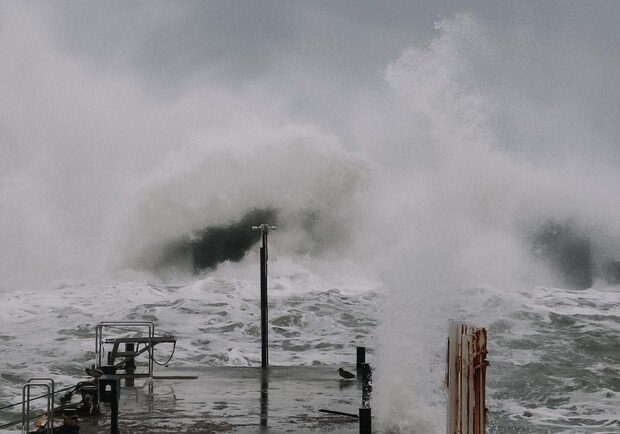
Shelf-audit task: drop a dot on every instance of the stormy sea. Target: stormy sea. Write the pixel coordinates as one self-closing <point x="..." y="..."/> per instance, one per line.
<point x="421" y="164"/>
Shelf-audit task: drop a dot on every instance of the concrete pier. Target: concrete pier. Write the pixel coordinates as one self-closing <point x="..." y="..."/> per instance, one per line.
<point x="236" y="399"/>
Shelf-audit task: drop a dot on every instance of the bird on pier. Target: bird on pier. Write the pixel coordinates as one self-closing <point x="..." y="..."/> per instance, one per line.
<point x="94" y="372"/>
<point x="345" y="374"/>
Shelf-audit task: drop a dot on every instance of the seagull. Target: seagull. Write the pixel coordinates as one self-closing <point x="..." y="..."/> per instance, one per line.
<point x="88" y="403"/>
<point x="345" y="374"/>
<point x="93" y="372"/>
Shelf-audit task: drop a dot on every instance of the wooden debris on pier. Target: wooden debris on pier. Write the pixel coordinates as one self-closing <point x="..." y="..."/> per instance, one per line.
<point x="465" y="379"/>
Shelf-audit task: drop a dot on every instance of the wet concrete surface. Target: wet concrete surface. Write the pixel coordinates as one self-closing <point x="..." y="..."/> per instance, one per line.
<point x="236" y="399"/>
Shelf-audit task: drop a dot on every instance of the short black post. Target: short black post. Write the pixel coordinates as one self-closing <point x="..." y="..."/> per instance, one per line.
<point x="361" y="357"/>
<point x="366" y="376"/>
<point x="114" y="417"/>
<point x="264" y="306"/>
<point x="365" y="420"/>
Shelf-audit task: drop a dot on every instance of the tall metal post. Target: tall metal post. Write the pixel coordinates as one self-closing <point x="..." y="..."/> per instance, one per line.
<point x="264" y="313"/>
<point x="264" y="398"/>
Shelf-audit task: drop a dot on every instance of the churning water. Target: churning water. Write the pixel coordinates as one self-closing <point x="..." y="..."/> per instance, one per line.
<point x="554" y="357"/>
<point x="429" y="208"/>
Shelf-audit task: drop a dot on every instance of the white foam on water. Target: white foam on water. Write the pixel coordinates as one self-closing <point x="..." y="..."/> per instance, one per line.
<point x="216" y="321"/>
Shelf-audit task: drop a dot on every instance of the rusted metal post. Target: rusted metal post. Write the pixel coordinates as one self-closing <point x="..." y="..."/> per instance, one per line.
<point x="264" y="306"/>
<point x="465" y="380"/>
<point x="365" y="420"/>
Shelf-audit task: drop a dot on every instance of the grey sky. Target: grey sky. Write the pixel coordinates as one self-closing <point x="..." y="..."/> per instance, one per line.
<point x="318" y="55"/>
<point x="563" y="50"/>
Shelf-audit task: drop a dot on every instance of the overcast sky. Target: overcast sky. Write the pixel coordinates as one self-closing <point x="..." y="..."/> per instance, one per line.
<point x="321" y="58"/>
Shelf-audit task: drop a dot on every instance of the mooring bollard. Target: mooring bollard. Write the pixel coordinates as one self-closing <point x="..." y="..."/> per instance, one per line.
<point x="365" y="420"/>
<point x="361" y="357"/>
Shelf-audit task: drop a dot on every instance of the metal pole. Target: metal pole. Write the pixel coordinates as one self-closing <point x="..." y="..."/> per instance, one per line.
<point x="264" y="306"/>
<point x="264" y="398"/>
<point x="130" y="366"/>
<point x="365" y="421"/>
<point x="114" y="416"/>
<point x="366" y="375"/>
<point x="361" y="357"/>
<point x="264" y="314"/>
<point x="109" y="389"/>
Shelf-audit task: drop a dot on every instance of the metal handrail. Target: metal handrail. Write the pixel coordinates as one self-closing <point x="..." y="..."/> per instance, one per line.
<point x="60" y="407"/>
<point x="26" y="404"/>
<point x="50" y="380"/>
<point x="34" y="399"/>
<point x="111" y="324"/>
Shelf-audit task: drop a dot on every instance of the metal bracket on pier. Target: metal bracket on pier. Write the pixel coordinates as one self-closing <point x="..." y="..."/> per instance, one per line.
<point x="132" y="347"/>
<point x="264" y="314"/>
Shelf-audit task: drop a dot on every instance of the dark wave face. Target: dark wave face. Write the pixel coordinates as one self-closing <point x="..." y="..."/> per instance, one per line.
<point x="573" y="257"/>
<point x="568" y="254"/>
<point x="213" y="245"/>
<point x="217" y="244"/>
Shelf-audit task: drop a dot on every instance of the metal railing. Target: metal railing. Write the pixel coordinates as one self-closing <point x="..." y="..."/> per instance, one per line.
<point x="48" y="384"/>
<point x="99" y="341"/>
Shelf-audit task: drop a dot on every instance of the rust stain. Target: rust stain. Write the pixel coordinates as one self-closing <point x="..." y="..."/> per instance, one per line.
<point x="466" y="379"/>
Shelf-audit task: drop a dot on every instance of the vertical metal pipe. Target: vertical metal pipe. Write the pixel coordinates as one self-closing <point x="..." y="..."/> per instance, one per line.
<point x="24" y="411"/>
<point x="130" y="366"/>
<point x="361" y="357"/>
<point x="264" y="305"/>
<point x="365" y="374"/>
<point x="365" y="421"/>
<point x="264" y="398"/>
<point x="114" y="415"/>
<point x="264" y="318"/>
<point x="50" y="416"/>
